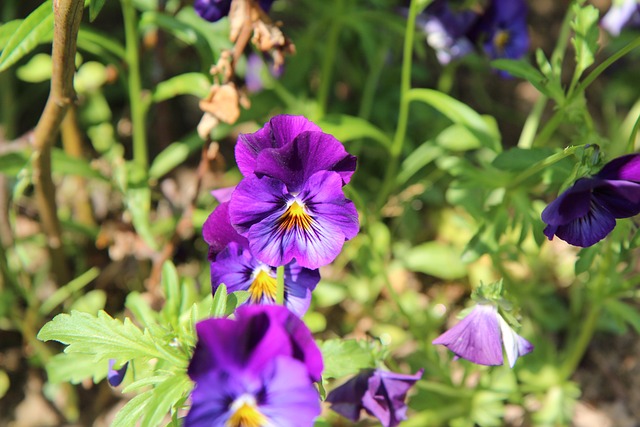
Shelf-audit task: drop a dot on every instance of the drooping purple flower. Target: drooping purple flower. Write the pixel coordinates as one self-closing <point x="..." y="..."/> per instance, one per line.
<point x="479" y="338"/>
<point x="291" y="205"/>
<point x="214" y="10"/>
<point x="586" y="212"/>
<point x="447" y="30"/>
<point x="233" y="264"/>
<point x="381" y="393"/>
<point x="116" y="376"/>
<point x="622" y="14"/>
<point x="503" y="29"/>
<point x="256" y="370"/>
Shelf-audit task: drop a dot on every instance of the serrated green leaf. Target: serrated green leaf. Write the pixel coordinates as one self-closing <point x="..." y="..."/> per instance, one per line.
<point x="219" y="306"/>
<point x="165" y="396"/>
<point x="585" y="39"/>
<point x="460" y="113"/>
<point x="134" y="409"/>
<point x="348" y="128"/>
<point x="95" y="6"/>
<point x="34" y="29"/>
<point x="345" y="357"/>
<point x="196" y="84"/>
<point x="75" y="368"/>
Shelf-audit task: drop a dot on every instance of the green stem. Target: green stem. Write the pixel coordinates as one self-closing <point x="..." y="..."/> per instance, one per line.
<point x="579" y="347"/>
<point x="140" y="155"/>
<point x="403" y="115"/>
<point x="632" y="137"/>
<point x="563" y="40"/>
<point x="280" y="285"/>
<point x="531" y="125"/>
<point x="543" y="164"/>
<point x="330" y="58"/>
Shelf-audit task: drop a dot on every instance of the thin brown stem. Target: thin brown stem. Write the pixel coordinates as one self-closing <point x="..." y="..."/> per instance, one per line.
<point x="67" y="17"/>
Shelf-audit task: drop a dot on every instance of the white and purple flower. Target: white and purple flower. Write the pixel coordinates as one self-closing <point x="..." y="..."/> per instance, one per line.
<point x="479" y="338"/>
<point x="586" y="213"/>
<point x="381" y="393"/>
<point x="623" y="14"/>
<point x="291" y="205"/>
<point x="256" y="370"/>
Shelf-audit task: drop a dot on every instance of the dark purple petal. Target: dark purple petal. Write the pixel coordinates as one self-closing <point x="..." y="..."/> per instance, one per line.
<point x="212" y="10"/>
<point x="386" y="396"/>
<point x="504" y="29"/>
<point x="310" y="152"/>
<point x="476" y="337"/>
<point x="265" y="4"/>
<point x="218" y="232"/>
<point x="259" y="204"/>
<point x="574" y="203"/>
<point x="115" y="376"/>
<point x="346" y="400"/>
<point x="587" y="230"/>
<point x="620" y="198"/>
<point x="279" y="131"/>
<point x="212" y="396"/>
<point x="622" y="168"/>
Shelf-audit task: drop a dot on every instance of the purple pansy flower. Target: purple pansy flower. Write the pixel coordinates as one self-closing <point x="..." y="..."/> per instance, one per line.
<point x="233" y="264"/>
<point x="503" y="29"/>
<point x="586" y="213"/>
<point x="256" y="370"/>
<point x="622" y="14"/>
<point x="381" y="393"/>
<point x="214" y="10"/>
<point x="116" y="376"/>
<point x="291" y="205"/>
<point x="480" y="335"/>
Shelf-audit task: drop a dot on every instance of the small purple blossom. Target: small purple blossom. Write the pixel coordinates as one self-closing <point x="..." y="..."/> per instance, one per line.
<point x="621" y="15"/>
<point x="503" y="29"/>
<point x="586" y="212"/>
<point x="233" y="264"/>
<point x="479" y="338"/>
<point x="256" y="67"/>
<point x="214" y="10"/>
<point x="256" y="370"/>
<point x="116" y="376"/>
<point x="381" y="393"/>
<point x="291" y="205"/>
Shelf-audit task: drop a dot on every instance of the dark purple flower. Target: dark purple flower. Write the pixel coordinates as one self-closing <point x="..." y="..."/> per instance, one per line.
<point x="503" y="29"/>
<point x="586" y="213"/>
<point x="446" y="30"/>
<point x="291" y="204"/>
<point x="381" y="393"/>
<point x="480" y="335"/>
<point x="233" y="264"/>
<point x="214" y="10"/>
<point x="115" y="376"/>
<point x="256" y="370"/>
<point x="621" y="15"/>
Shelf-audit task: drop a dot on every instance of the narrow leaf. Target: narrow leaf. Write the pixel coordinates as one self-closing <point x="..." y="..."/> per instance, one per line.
<point x="95" y="6"/>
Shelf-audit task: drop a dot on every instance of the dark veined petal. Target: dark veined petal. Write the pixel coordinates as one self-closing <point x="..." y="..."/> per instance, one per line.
<point x="279" y="131"/>
<point x="385" y="398"/>
<point x="620" y="198"/>
<point x="574" y="203"/>
<point x="476" y="337"/>
<point x="308" y="153"/>
<point x="589" y="229"/>
<point x="346" y="399"/>
<point x="624" y="168"/>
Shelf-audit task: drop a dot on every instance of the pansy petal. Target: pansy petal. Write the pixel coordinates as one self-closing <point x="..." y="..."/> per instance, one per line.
<point x="212" y="10"/>
<point x="589" y="229"/>
<point x="254" y="200"/>
<point x="574" y="203"/>
<point x="386" y="396"/>
<point x="620" y="15"/>
<point x="233" y="267"/>
<point x="620" y="198"/>
<point x="476" y="337"/>
<point x="623" y="168"/>
<point x="346" y="399"/>
<point x="223" y="194"/>
<point x="218" y="232"/>
<point x="116" y="376"/>
<point x="514" y="345"/>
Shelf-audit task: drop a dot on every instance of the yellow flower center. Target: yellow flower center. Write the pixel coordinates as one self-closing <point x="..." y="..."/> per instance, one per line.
<point x="246" y="414"/>
<point x="501" y="39"/>
<point x="295" y="217"/>
<point x="263" y="284"/>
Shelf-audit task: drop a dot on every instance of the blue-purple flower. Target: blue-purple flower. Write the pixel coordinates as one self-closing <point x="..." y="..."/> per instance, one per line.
<point x="503" y="29"/>
<point x="446" y="30"/>
<point x="622" y="14"/>
<point x="214" y="10"/>
<point x="586" y="212"/>
<point x="256" y="370"/>
<point x="381" y="393"/>
<point x="233" y="264"/>
<point x="479" y="338"/>
<point x="116" y="376"/>
<point x="291" y="205"/>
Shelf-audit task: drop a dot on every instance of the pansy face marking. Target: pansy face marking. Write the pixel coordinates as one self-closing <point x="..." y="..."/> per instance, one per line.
<point x="262" y="286"/>
<point x="501" y="40"/>
<point x="295" y="217"/>
<point x="246" y="413"/>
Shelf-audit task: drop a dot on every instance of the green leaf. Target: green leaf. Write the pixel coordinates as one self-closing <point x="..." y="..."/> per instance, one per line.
<point x="622" y="310"/>
<point x="196" y="84"/>
<point x="75" y="368"/>
<point x="35" y="29"/>
<point x="460" y="113"/>
<point x="37" y="70"/>
<point x="165" y="396"/>
<point x="134" y="409"/>
<point x="436" y="259"/>
<point x="139" y="204"/>
<point x="7" y="30"/>
<point x="95" y="6"/>
<point x="93" y="41"/>
<point x="219" y="306"/>
<point x="12" y="163"/>
<point x="585" y="39"/>
<point x="348" y="128"/>
<point x="234" y="300"/>
<point x="518" y="159"/>
<point x="60" y="295"/>
<point x="105" y="338"/>
<point x="524" y="70"/>
<point x="416" y="160"/>
<point x="171" y="288"/>
<point x="174" y="155"/>
<point x="345" y="357"/>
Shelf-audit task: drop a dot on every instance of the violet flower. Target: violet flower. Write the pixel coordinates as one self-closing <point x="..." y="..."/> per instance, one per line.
<point x="214" y="10"/>
<point x="256" y="370"/>
<point x="291" y="205"/>
<point x="233" y="264"/>
<point x="586" y="212"/>
<point x="503" y="29"/>
<point x="480" y="335"/>
<point x="381" y="393"/>
<point x="621" y="15"/>
<point x="253" y="77"/>
<point x="116" y="376"/>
